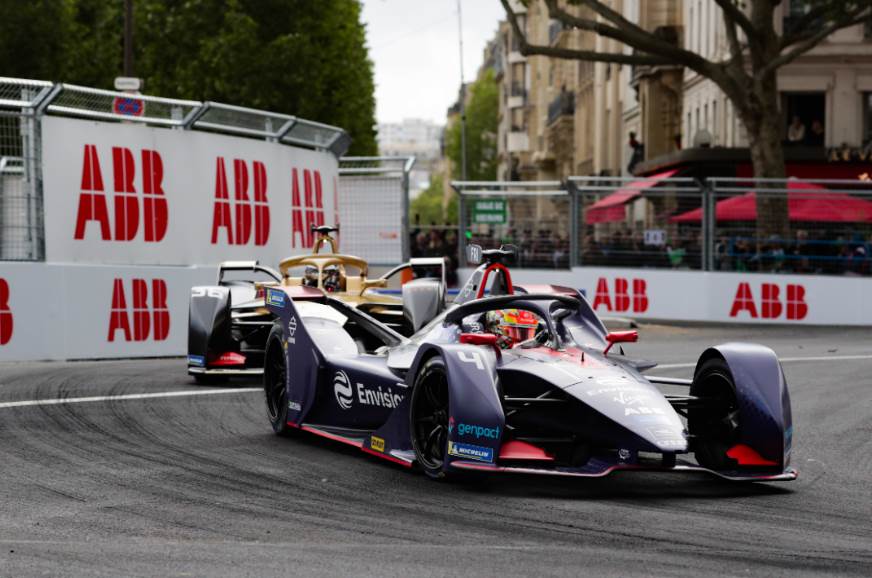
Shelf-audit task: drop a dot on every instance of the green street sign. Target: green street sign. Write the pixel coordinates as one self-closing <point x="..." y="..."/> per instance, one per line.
<point x="489" y="212"/>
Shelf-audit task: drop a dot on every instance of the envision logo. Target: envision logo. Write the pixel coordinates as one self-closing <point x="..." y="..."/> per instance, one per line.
<point x="342" y="389"/>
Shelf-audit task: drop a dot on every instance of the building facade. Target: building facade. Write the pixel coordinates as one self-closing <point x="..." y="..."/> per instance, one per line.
<point x="413" y="137"/>
<point x="565" y="117"/>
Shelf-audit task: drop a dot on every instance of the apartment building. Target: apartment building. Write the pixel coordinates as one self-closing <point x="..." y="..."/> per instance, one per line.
<point x="562" y="117"/>
<point x="831" y="84"/>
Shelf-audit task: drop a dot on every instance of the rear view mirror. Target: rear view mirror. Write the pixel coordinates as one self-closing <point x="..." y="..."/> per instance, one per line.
<point x="473" y="254"/>
<point x="620" y="337"/>
<point x="481" y="339"/>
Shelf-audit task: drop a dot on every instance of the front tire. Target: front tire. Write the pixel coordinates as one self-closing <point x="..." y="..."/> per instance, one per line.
<point x="715" y="428"/>
<point x="275" y="388"/>
<point x="428" y="416"/>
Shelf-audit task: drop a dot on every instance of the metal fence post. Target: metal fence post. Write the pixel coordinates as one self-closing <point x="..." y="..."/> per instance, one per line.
<point x="404" y="228"/>
<point x="708" y="228"/>
<point x="573" y="223"/>
<point x="461" y="226"/>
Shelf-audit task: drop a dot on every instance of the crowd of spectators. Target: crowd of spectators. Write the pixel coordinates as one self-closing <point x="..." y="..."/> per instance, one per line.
<point x="812" y="251"/>
<point x="537" y="249"/>
<point x="808" y="252"/>
<point x="436" y="241"/>
<point x="625" y="248"/>
<point x="815" y="252"/>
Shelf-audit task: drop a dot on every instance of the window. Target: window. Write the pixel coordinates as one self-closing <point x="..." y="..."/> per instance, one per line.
<point x="808" y="109"/>
<point x="716" y="125"/>
<point x="691" y="32"/>
<point x="867" y="118"/>
<point x="688" y="130"/>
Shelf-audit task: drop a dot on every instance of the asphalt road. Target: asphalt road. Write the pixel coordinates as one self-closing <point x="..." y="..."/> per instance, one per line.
<point x="197" y="485"/>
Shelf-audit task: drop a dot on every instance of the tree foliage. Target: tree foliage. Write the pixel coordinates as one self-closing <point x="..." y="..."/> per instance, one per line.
<point x="297" y="57"/>
<point x="428" y="207"/>
<point x="482" y="120"/>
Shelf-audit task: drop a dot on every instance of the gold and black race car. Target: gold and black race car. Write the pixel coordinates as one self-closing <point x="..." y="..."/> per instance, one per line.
<point x="229" y="322"/>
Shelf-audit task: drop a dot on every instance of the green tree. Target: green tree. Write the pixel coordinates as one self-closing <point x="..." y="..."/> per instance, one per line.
<point x="428" y="205"/>
<point x="296" y="57"/>
<point x="482" y="119"/>
<point x="32" y="38"/>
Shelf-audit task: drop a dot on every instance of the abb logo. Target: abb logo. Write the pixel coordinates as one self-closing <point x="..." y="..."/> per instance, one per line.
<point x="311" y="210"/>
<point x="771" y="307"/>
<point x="5" y="313"/>
<point x="94" y="206"/>
<point x="623" y="298"/>
<point x="154" y="320"/>
<point x="240" y="213"/>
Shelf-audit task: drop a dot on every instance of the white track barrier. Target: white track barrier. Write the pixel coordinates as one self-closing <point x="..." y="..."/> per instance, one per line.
<point x="137" y="195"/>
<point x="713" y="297"/>
<point x="92" y="311"/>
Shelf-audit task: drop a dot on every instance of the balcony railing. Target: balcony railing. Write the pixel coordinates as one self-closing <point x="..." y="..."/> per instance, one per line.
<point x="563" y="104"/>
<point x="517" y="89"/>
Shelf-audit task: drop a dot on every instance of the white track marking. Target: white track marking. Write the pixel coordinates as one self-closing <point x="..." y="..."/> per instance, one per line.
<point x="124" y="397"/>
<point x="194" y="392"/>
<point x="782" y="360"/>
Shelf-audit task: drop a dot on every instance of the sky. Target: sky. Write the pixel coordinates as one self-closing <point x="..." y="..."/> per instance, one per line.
<point x="414" y="46"/>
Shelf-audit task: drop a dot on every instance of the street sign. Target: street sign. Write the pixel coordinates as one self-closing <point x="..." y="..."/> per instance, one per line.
<point x="128" y="106"/>
<point x="128" y="83"/>
<point x="489" y="212"/>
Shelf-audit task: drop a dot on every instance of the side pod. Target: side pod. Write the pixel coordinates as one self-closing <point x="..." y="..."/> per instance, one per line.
<point x="208" y="323"/>
<point x="763" y="399"/>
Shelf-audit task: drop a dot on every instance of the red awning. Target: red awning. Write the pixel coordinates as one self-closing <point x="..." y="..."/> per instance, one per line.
<point x="611" y="208"/>
<point x="803" y="204"/>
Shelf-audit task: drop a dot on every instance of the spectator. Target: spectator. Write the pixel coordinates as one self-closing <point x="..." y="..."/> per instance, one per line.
<point x="637" y="153"/>
<point x="816" y="134"/>
<point x="796" y="131"/>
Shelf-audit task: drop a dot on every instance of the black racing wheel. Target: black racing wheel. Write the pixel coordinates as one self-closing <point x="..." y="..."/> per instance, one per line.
<point x="275" y="383"/>
<point x="714" y="426"/>
<point x="429" y="417"/>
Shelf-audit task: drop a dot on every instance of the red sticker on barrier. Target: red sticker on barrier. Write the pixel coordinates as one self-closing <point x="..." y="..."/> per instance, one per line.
<point x="771" y="306"/>
<point x="148" y="321"/>
<point x="93" y="204"/>
<point x="6" y="322"/>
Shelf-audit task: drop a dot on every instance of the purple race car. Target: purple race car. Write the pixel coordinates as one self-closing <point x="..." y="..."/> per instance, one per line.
<point x="515" y="379"/>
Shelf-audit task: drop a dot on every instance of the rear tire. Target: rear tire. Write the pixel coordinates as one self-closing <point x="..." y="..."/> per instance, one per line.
<point x="275" y="383"/>
<point x="715" y="429"/>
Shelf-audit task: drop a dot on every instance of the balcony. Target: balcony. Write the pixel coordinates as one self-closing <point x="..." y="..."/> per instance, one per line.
<point x="518" y="141"/>
<point x="517" y="95"/>
<point x="562" y="105"/>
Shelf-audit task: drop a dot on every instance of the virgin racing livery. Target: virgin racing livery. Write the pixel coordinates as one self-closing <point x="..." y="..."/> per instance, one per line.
<point x="229" y="322"/>
<point x="469" y="393"/>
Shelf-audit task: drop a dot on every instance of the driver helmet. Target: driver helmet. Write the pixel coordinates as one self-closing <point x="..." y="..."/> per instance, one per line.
<point x="516" y="324"/>
<point x="310" y="276"/>
<point x="331" y="278"/>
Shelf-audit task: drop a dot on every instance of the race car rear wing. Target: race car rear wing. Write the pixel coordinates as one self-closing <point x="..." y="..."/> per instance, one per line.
<point x="253" y="266"/>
